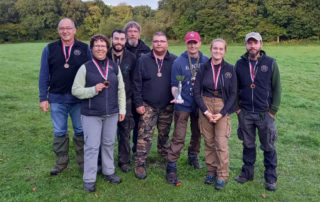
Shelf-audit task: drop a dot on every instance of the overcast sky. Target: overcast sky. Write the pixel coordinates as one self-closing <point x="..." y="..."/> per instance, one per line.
<point x="152" y="3"/>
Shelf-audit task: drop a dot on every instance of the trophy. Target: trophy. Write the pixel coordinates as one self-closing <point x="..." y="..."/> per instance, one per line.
<point x="179" y="99"/>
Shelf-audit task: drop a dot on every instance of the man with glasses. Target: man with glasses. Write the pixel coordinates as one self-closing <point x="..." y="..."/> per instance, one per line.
<point x="126" y="61"/>
<point x="152" y="82"/>
<point x="60" y="62"/>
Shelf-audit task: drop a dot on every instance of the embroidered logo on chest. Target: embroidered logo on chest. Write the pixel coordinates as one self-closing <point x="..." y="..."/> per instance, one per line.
<point x="77" y="52"/>
<point x="228" y="75"/>
<point x="264" y="68"/>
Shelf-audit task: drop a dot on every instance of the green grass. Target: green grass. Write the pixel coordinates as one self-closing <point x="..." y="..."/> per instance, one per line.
<point x="26" y="140"/>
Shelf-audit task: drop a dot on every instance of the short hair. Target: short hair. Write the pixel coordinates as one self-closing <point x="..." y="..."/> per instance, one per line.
<point x="159" y="34"/>
<point x="219" y="40"/>
<point x="99" y="37"/>
<point x="119" y="31"/>
<point x="132" y="24"/>
<point x="73" y="24"/>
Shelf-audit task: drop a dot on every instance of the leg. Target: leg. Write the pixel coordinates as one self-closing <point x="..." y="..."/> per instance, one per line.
<point x="195" y="141"/>
<point x="164" y="126"/>
<point x="92" y="127"/>
<point x="136" y="118"/>
<point x="59" y="117"/>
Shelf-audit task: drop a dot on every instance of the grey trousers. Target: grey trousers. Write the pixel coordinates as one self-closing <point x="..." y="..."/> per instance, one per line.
<point x="98" y="131"/>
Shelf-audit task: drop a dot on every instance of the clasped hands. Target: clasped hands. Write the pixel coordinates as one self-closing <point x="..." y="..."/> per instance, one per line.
<point x="213" y="118"/>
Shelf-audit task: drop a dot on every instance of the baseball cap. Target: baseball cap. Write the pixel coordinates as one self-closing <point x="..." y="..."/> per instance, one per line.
<point x="253" y="35"/>
<point x="192" y="36"/>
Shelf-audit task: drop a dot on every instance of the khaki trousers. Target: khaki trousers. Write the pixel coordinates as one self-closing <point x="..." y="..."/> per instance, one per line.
<point x="216" y="139"/>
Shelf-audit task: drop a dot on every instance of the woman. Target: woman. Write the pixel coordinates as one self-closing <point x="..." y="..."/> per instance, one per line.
<point x="215" y="93"/>
<point x="100" y="86"/>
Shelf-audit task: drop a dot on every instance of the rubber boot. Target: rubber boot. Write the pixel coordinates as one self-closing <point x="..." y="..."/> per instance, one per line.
<point x="78" y="143"/>
<point x="61" y="149"/>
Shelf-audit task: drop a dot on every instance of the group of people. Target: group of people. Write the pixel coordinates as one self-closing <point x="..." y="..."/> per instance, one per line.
<point x="110" y="89"/>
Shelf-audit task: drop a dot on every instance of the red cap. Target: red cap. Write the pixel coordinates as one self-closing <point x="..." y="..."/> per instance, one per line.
<point x="192" y="36"/>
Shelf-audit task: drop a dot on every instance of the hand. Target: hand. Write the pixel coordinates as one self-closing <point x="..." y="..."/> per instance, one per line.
<point x="238" y="112"/>
<point x="141" y="110"/>
<point x="217" y="117"/>
<point x="121" y="117"/>
<point x="174" y="101"/>
<point x="271" y="115"/>
<point x="44" y="106"/>
<point x="209" y="116"/>
<point x="99" y="87"/>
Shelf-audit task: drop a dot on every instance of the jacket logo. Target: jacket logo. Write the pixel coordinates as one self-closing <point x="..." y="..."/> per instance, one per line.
<point x="77" y="52"/>
<point x="264" y="68"/>
<point x="228" y="75"/>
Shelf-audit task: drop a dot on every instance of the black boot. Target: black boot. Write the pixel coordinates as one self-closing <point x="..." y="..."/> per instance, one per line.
<point x="194" y="161"/>
<point x="61" y="149"/>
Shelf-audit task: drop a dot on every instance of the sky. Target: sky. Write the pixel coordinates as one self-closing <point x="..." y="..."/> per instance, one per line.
<point x="152" y="3"/>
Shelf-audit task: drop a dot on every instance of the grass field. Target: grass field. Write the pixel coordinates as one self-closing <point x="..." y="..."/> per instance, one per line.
<point x="26" y="141"/>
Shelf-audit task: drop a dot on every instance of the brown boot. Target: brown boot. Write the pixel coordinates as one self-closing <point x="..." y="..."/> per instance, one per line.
<point x="61" y="149"/>
<point x="140" y="172"/>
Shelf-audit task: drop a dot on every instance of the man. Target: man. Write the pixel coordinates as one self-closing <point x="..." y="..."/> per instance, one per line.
<point x="186" y="65"/>
<point x="59" y="64"/>
<point x="259" y="96"/>
<point x="135" y="45"/>
<point x="126" y="61"/>
<point x="152" y="98"/>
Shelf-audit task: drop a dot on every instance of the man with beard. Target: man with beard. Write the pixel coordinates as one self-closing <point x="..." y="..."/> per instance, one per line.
<point x="59" y="64"/>
<point x="259" y="96"/>
<point x="152" y="99"/>
<point x="126" y="61"/>
<point x="185" y="65"/>
<point x="135" y="45"/>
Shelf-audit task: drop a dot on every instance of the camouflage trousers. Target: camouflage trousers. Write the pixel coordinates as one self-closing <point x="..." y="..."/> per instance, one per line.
<point x="162" y="118"/>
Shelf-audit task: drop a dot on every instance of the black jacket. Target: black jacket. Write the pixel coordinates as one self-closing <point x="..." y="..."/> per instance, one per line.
<point x="148" y="87"/>
<point x="228" y="81"/>
<point x="140" y="50"/>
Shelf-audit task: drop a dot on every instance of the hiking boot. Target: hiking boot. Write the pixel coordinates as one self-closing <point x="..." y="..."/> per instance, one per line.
<point x="271" y="186"/>
<point x="140" y="172"/>
<point x="56" y="170"/>
<point x="220" y="185"/>
<point x="194" y="161"/>
<point x="89" y="187"/>
<point x="113" y="179"/>
<point x="125" y="168"/>
<point x="241" y="180"/>
<point x="173" y="179"/>
<point x="210" y="179"/>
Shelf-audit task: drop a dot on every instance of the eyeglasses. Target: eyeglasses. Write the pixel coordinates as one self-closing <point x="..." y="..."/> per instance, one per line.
<point x="157" y="41"/>
<point x="65" y="28"/>
<point x="100" y="46"/>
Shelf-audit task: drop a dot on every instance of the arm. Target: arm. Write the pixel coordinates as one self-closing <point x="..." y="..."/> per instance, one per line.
<point x="121" y="96"/>
<point x="78" y="88"/>
<point x="276" y="89"/>
<point x="44" y="80"/>
<point x="137" y="83"/>
<point x="233" y="94"/>
<point x="197" y="90"/>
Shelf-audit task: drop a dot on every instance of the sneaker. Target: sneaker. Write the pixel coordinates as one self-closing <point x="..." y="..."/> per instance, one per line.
<point x="210" y="179"/>
<point x="113" y="179"/>
<point x="89" y="187"/>
<point x="271" y="186"/>
<point x="125" y="168"/>
<point x="140" y="172"/>
<point x="241" y="180"/>
<point x="173" y="179"/>
<point x="220" y="185"/>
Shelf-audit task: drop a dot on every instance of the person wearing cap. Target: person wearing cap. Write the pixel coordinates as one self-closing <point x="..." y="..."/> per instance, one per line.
<point x="136" y="46"/>
<point x="215" y="92"/>
<point x="259" y="96"/>
<point x="60" y="62"/>
<point x="185" y="65"/>
<point x="152" y="97"/>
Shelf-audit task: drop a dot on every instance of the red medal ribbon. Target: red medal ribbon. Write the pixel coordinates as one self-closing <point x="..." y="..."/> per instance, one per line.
<point x="215" y="75"/>
<point x="69" y="51"/>
<point x="105" y="76"/>
<point x="155" y="58"/>
<point x="252" y="71"/>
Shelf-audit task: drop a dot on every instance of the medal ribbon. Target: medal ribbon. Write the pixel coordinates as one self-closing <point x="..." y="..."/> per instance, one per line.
<point x="193" y="70"/>
<point x="215" y="75"/>
<point x="105" y="76"/>
<point x="69" y="51"/>
<point x="113" y="58"/>
<point x="159" y="66"/>
<point x="253" y="71"/>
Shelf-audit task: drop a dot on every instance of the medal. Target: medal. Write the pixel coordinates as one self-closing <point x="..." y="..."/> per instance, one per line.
<point x="66" y="65"/>
<point x="159" y="74"/>
<point x="253" y="73"/>
<point x="215" y="78"/>
<point x="106" y="84"/>
<point x="193" y="79"/>
<point x="252" y="85"/>
<point x="215" y="93"/>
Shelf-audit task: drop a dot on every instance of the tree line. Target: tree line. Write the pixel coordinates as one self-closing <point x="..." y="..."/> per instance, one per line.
<point x="32" y="20"/>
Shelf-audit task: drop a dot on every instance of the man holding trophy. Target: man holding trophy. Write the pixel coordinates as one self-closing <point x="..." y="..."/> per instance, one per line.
<point x="183" y="75"/>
